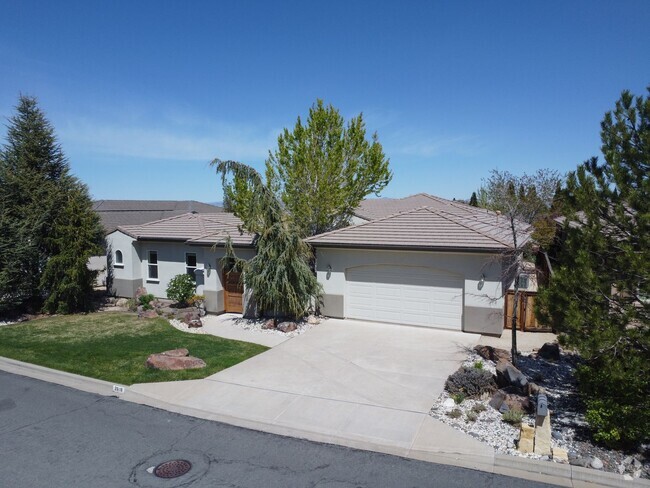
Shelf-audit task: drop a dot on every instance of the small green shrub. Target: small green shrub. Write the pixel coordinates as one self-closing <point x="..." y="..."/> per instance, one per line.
<point x="455" y="413"/>
<point x="471" y="382"/>
<point x="471" y="416"/>
<point x="181" y="288"/>
<point x="478" y="365"/>
<point x="145" y="301"/>
<point x="132" y="305"/>
<point x="479" y="407"/>
<point x="513" y="416"/>
<point x="458" y="398"/>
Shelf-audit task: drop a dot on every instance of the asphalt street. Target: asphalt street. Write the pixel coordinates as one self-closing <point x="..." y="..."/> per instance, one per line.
<point x="52" y="436"/>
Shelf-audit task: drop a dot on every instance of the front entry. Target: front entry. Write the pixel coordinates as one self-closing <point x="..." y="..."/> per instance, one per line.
<point x="233" y="291"/>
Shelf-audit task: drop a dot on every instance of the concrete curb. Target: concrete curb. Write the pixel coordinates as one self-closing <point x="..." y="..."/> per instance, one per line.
<point x="530" y="469"/>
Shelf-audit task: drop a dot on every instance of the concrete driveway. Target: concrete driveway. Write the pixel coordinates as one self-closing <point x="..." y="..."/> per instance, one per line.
<point x="358" y="362"/>
<point x="355" y="383"/>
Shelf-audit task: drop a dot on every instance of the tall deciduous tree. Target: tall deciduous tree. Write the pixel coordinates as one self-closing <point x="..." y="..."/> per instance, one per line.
<point x="599" y="296"/>
<point x="522" y="200"/>
<point x="279" y="274"/>
<point x="321" y="170"/>
<point x="35" y="194"/>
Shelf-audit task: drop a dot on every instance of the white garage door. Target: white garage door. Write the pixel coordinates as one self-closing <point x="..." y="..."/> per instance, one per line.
<point x="404" y="295"/>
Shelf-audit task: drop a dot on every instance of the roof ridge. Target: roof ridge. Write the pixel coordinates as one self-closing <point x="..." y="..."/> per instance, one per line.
<point x="454" y="218"/>
<point x="199" y="220"/>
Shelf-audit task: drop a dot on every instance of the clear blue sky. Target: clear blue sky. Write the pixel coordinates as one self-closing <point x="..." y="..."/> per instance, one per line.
<point x="144" y="94"/>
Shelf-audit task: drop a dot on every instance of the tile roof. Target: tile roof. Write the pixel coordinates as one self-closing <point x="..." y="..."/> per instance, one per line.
<point x="116" y="213"/>
<point x="377" y="208"/>
<point x="429" y="227"/>
<point x="192" y="228"/>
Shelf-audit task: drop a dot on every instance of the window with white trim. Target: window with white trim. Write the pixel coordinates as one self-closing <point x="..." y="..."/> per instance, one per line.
<point x="152" y="274"/>
<point x="119" y="259"/>
<point x="190" y="264"/>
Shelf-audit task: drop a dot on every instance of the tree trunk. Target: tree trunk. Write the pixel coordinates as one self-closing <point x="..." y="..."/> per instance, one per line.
<point x="515" y="306"/>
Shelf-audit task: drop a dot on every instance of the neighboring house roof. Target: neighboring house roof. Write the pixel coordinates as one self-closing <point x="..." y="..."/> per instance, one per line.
<point x="427" y="228"/>
<point x="115" y="213"/>
<point x="377" y="208"/>
<point x="192" y="228"/>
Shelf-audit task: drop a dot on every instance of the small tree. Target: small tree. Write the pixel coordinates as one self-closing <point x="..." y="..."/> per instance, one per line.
<point x="181" y="288"/>
<point x="599" y="298"/>
<point x="279" y="275"/>
<point x="320" y="171"/>
<point x="473" y="201"/>
<point x="523" y="201"/>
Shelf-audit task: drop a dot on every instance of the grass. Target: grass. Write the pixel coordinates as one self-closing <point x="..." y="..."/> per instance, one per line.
<point x="115" y="346"/>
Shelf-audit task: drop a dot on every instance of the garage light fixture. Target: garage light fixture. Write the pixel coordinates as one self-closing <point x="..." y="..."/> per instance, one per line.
<point x="329" y="271"/>
<point x="481" y="282"/>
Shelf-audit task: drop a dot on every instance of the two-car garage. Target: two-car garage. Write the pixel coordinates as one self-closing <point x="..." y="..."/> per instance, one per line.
<point x="410" y="295"/>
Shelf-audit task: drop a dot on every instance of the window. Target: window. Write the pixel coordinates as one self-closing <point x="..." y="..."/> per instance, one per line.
<point x="190" y="264"/>
<point x="119" y="259"/>
<point x="523" y="281"/>
<point x="153" y="266"/>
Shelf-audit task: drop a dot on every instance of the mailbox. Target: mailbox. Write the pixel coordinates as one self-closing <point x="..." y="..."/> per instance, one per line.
<point x="542" y="405"/>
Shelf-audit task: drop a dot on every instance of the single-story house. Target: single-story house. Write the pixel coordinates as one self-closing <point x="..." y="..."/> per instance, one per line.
<point x="151" y="254"/>
<point x="114" y="213"/>
<point x="436" y="265"/>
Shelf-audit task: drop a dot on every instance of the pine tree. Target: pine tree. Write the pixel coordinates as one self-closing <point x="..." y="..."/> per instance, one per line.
<point x="34" y="192"/>
<point x="599" y="296"/>
<point x="473" y="201"/>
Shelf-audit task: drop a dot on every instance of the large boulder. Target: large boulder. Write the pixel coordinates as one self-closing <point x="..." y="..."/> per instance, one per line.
<point x="508" y="375"/>
<point x="140" y="292"/>
<point x="492" y="353"/>
<point x="550" y="351"/>
<point x="174" y="360"/>
<point x="269" y="324"/>
<point x="122" y="302"/>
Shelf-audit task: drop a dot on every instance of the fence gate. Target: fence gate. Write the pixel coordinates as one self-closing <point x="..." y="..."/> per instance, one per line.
<point x="526" y="320"/>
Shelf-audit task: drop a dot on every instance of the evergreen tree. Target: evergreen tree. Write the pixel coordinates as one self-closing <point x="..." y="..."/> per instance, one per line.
<point x="473" y="201"/>
<point x="34" y="193"/>
<point x="322" y="170"/>
<point x="599" y="296"/>
<point x="279" y="275"/>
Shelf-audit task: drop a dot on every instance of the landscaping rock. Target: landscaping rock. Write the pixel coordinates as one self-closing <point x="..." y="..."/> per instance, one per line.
<point x="581" y="461"/>
<point x="526" y="438"/>
<point x="596" y="463"/>
<point x="140" y="292"/>
<point x="312" y="320"/>
<point x="449" y="403"/>
<point x="518" y="402"/>
<point x="195" y="323"/>
<point x="122" y="302"/>
<point x="492" y="353"/>
<point x="550" y="351"/>
<point x="287" y="326"/>
<point x="560" y="455"/>
<point x="543" y="435"/>
<point x="148" y="314"/>
<point x="508" y="375"/>
<point x="164" y="361"/>
<point x="497" y="399"/>
<point x="269" y="324"/>
<point x="190" y="317"/>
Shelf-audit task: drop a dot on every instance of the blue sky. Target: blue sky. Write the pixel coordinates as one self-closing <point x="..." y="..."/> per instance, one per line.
<point x="144" y="94"/>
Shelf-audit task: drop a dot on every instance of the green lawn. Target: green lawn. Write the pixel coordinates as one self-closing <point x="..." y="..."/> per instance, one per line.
<point x="114" y="347"/>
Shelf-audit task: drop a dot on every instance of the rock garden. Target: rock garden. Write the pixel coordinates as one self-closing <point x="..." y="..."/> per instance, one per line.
<point x="497" y="403"/>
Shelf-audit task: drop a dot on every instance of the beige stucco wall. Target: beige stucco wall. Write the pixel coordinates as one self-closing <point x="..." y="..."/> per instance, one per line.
<point x="171" y="262"/>
<point x="482" y="305"/>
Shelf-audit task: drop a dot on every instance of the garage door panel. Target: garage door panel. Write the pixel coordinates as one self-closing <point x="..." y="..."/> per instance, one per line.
<point x="407" y="295"/>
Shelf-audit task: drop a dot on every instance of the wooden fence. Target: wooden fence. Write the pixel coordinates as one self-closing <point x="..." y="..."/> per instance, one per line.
<point x="526" y="320"/>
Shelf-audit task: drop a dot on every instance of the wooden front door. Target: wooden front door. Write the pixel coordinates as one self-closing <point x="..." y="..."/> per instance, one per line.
<point x="233" y="292"/>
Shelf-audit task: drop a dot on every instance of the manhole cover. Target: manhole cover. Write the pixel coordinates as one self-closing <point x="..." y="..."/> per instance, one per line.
<point x="172" y="469"/>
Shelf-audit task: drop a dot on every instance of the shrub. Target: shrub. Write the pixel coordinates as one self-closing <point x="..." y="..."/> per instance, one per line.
<point x="145" y="301"/>
<point x="471" y="416"/>
<point x="196" y="300"/>
<point x="513" y="416"/>
<point x="471" y="382"/>
<point x="455" y="413"/>
<point x="478" y="408"/>
<point x="458" y="398"/>
<point x="132" y="305"/>
<point x="478" y="365"/>
<point x="181" y="288"/>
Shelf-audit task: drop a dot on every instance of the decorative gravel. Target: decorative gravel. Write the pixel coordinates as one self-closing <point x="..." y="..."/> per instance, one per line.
<point x="569" y="429"/>
<point x="182" y="326"/>
<point x="256" y="325"/>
